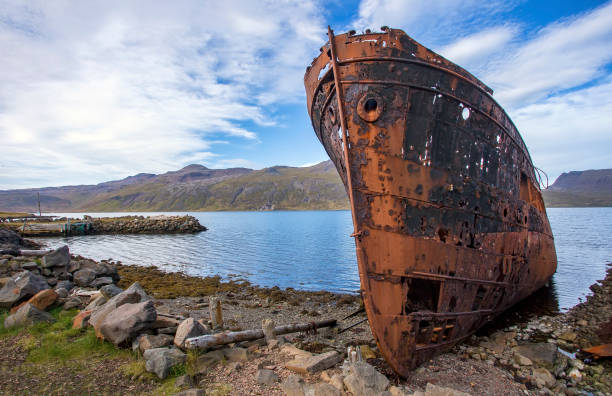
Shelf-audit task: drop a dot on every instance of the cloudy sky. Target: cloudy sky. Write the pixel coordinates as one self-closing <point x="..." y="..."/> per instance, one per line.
<point x="94" y="91"/>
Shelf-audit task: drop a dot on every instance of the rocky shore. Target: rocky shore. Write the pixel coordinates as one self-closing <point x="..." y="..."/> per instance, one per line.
<point x="145" y="317"/>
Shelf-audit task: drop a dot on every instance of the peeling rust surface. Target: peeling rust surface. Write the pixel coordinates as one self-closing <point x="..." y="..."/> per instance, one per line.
<point x="450" y="225"/>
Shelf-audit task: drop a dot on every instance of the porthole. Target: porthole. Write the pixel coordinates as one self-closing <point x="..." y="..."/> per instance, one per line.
<point x="370" y="107"/>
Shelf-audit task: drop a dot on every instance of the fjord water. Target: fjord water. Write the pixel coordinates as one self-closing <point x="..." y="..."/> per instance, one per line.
<point x="312" y="250"/>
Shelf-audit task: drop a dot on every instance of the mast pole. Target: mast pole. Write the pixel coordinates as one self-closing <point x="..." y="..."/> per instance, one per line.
<point x="347" y="165"/>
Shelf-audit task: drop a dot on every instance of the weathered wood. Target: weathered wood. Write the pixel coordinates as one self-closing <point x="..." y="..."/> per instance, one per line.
<point x="207" y="341"/>
<point x="216" y="313"/>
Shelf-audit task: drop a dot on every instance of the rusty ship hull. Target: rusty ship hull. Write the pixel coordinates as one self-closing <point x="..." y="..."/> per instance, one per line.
<point x="450" y="225"/>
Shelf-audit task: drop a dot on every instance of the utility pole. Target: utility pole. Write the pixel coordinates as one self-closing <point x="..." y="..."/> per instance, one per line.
<point x="39" y="212"/>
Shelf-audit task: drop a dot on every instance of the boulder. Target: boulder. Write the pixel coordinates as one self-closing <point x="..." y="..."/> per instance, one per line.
<point x="57" y="258"/>
<point x="29" y="266"/>
<point x="364" y="380"/>
<point x="102" y="281"/>
<point x="209" y="359"/>
<point x="542" y="353"/>
<point x="133" y="294"/>
<point x="27" y="315"/>
<point x="44" y="299"/>
<point x="183" y="381"/>
<point x="84" y="277"/>
<point x="161" y="360"/>
<point x="110" y="291"/>
<point x="72" y="302"/>
<point x="22" y="285"/>
<point x="61" y="292"/>
<point x="96" y="302"/>
<point x="164" y="321"/>
<point x="293" y="385"/>
<point x="124" y="323"/>
<point x="266" y="377"/>
<point x="187" y="329"/>
<point x="543" y="377"/>
<point x="81" y="320"/>
<point x="314" y="363"/>
<point x="65" y="284"/>
<point x="148" y="341"/>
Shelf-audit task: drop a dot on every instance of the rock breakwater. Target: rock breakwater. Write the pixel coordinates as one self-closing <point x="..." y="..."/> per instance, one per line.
<point x="146" y="225"/>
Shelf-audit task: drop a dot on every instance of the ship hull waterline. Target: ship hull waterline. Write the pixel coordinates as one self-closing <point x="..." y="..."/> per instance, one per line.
<point x="450" y="225"/>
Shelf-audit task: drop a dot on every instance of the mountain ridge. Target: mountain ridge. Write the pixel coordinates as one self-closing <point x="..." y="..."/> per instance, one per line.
<point x="198" y="188"/>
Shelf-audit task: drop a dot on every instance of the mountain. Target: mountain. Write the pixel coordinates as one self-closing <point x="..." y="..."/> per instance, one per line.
<point x="580" y="188"/>
<point x="197" y="188"/>
<point x="194" y="188"/>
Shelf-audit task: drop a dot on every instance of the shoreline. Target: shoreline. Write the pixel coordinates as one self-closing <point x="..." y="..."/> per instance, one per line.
<point x="497" y="360"/>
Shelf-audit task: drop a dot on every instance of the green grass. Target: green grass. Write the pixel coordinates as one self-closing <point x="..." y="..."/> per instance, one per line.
<point x="58" y="343"/>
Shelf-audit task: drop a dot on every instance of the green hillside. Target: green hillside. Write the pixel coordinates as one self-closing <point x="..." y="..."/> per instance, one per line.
<point x="195" y="188"/>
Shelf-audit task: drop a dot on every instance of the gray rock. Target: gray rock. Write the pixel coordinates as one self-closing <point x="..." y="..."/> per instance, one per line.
<point x="110" y="291"/>
<point x="51" y="282"/>
<point x="27" y="315"/>
<point x="184" y="381"/>
<point x="161" y="360"/>
<point x="22" y="285"/>
<point x="148" y="341"/>
<point x="293" y="385"/>
<point x="315" y="363"/>
<point x="127" y="321"/>
<point x="207" y="360"/>
<point x="102" y="281"/>
<point x="133" y="294"/>
<point x="61" y="292"/>
<point x="324" y="389"/>
<point x="65" y="284"/>
<point x="95" y="303"/>
<point x="167" y="330"/>
<point x="187" y="329"/>
<point x="60" y="272"/>
<point x="364" y="380"/>
<point x="266" y="377"/>
<point x="542" y="354"/>
<point x="72" y="302"/>
<point x="57" y="258"/>
<point x="74" y="266"/>
<point x="543" y="377"/>
<point x="84" y="277"/>
<point x="30" y="266"/>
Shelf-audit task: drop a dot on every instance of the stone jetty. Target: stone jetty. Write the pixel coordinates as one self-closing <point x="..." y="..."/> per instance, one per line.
<point x="161" y="224"/>
<point x="146" y="225"/>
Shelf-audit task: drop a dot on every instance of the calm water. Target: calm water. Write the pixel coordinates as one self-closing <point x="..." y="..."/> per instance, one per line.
<point x="312" y="250"/>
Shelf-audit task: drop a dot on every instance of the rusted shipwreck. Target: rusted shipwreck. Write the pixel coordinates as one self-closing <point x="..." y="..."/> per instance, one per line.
<point x="450" y="226"/>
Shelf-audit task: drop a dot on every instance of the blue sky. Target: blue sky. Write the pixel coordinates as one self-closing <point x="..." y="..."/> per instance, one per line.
<point x="95" y="91"/>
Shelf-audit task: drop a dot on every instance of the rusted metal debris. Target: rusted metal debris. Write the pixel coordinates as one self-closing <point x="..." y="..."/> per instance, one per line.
<point x="449" y="224"/>
<point x="600" y="351"/>
<point x="208" y="341"/>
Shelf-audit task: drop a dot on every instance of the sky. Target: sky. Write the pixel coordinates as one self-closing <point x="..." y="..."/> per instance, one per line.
<point x="92" y="91"/>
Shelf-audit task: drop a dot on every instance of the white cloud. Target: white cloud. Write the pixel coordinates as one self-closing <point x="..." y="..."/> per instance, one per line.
<point x="561" y="56"/>
<point x="570" y="131"/>
<point x="94" y="91"/>
<point x="433" y="23"/>
<point x="475" y="50"/>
